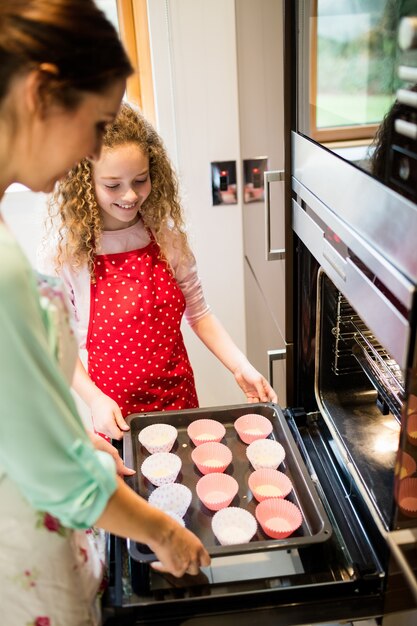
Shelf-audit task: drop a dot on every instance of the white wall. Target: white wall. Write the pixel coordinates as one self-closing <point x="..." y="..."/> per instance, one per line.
<point x="195" y="72"/>
<point x="24" y="212"/>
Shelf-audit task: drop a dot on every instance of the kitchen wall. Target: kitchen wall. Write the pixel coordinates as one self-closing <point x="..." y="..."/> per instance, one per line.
<point x="195" y="74"/>
<point x="216" y="99"/>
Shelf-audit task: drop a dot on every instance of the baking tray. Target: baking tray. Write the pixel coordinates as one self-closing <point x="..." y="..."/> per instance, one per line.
<point x="315" y="528"/>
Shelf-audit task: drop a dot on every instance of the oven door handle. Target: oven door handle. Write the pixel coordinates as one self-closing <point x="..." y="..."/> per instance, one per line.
<point x="275" y="355"/>
<point x="271" y="177"/>
<point x="395" y="540"/>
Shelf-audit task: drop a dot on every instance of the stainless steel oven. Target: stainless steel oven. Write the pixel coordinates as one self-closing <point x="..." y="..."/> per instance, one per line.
<point x="351" y="415"/>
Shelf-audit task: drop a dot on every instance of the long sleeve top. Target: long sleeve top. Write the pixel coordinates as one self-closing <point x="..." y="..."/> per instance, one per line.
<point x="77" y="282"/>
<point x="44" y="448"/>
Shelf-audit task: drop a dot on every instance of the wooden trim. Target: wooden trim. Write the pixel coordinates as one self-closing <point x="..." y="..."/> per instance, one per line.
<point x="134" y="32"/>
<point x="313" y="68"/>
<point x="338" y="133"/>
<point x="144" y="59"/>
<point x="332" y="133"/>
<point x="128" y="37"/>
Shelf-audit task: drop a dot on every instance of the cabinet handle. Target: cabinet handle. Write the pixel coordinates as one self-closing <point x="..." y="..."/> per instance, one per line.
<point x="275" y="355"/>
<point x="271" y="177"/>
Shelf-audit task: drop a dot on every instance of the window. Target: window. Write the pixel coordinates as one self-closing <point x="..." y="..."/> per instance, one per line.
<point x="353" y="57"/>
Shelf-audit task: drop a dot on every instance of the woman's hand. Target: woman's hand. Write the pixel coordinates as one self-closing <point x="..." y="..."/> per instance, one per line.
<point x="179" y="551"/>
<point x="101" y="444"/>
<point x="107" y="416"/>
<point x="254" y="385"/>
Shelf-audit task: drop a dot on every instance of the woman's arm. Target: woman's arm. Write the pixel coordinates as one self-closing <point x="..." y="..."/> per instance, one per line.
<point x="44" y="448"/>
<point x="213" y="334"/>
<point x="179" y="551"/>
<point x="105" y="412"/>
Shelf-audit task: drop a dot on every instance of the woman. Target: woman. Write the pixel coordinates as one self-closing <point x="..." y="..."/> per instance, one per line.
<point x="62" y="76"/>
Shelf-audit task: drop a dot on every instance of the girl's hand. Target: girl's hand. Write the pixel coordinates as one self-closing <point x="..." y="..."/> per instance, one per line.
<point x="254" y="385"/>
<point x="107" y="417"/>
<point x="101" y="444"/>
<point x="179" y="551"/>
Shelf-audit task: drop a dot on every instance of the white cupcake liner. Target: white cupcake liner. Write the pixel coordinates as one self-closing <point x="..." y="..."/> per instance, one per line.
<point x="173" y="497"/>
<point x="265" y="453"/>
<point x="233" y="525"/>
<point x="161" y="468"/>
<point x="158" y="437"/>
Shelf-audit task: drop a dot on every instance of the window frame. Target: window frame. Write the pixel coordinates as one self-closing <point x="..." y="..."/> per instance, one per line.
<point x="133" y="19"/>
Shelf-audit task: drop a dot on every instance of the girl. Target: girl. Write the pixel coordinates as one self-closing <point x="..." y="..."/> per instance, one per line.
<point x="62" y="76"/>
<point x="124" y="257"/>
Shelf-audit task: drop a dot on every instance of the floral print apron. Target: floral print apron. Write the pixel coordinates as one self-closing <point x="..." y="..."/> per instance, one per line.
<point x="49" y="575"/>
<point x="136" y="352"/>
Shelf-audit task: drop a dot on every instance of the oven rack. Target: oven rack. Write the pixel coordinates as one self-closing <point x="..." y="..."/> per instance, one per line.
<point x="344" y="334"/>
<point x="352" y="337"/>
<point x="384" y="373"/>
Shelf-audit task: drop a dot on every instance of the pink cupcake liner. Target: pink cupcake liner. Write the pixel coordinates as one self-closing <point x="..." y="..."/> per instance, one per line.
<point x="405" y="466"/>
<point x="253" y="426"/>
<point x="204" y="430"/>
<point x="407" y="497"/>
<point x="233" y="525"/>
<point x="161" y="468"/>
<point x="412" y="404"/>
<point x="269" y="483"/>
<point x="412" y="429"/>
<point x="172" y="498"/>
<point x="158" y="437"/>
<point x="211" y="457"/>
<point x="279" y="518"/>
<point x="216" y="491"/>
<point x="265" y="453"/>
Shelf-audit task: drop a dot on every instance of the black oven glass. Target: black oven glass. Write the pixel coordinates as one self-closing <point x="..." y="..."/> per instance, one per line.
<point x="357" y="84"/>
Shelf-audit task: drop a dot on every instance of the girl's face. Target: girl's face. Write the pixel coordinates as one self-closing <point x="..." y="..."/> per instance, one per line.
<point x="122" y="184"/>
<point x="61" y="138"/>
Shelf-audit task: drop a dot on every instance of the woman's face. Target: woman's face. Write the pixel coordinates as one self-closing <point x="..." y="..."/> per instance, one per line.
<point x="122" y="184"/>
<point x="61" y="138"/>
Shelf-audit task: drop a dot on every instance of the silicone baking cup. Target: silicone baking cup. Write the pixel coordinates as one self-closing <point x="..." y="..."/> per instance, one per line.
<point x="407" y="497"/>
<point x="216" y="491"/>
<point x="158" y="437"/>
<point x="211" y="457"/>
<point x="269" y="483"/>
<point x="233" y="526"/>
<point x="173" y="497"/>
<point x="204" y="430"/>
<point x="252" y="426"/>
<point x="265" y="453"/>
<point x="161" y="468"/>
<point x="278" y="518"/>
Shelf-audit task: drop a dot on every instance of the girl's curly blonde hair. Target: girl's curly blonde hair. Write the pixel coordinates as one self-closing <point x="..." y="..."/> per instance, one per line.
<point x="74" y="209"/>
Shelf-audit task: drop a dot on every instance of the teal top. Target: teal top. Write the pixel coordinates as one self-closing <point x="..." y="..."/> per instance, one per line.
<point x="44" y="447"/>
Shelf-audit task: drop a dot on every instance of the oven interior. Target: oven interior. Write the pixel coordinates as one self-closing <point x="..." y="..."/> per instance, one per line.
<point x="360" y="390"/>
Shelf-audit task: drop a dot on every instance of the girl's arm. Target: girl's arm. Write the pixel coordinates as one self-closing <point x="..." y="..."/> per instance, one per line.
<point x="105" y="412"/>
<point x="213" y="334"/>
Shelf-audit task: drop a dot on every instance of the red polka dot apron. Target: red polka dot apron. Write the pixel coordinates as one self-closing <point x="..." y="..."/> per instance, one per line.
<point x="136" y="352"/>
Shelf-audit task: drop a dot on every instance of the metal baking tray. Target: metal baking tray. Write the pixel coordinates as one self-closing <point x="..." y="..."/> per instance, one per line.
<point x="315" y="528"/>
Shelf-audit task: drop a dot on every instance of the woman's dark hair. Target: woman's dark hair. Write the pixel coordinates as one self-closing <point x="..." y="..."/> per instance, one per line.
<point x="380" y="159"/>
<point x="71" y="41"/>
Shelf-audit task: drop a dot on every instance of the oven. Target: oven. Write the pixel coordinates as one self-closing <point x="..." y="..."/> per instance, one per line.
<point x="351" y="414"/>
